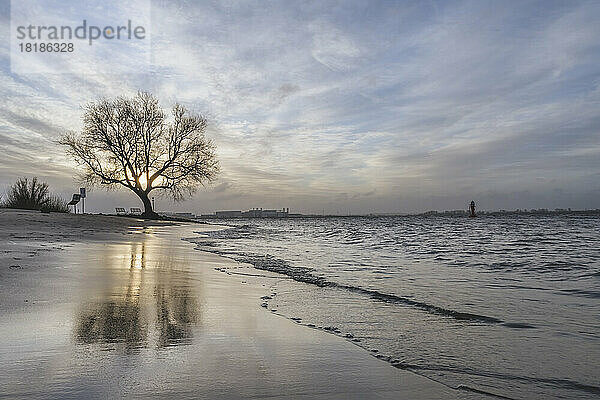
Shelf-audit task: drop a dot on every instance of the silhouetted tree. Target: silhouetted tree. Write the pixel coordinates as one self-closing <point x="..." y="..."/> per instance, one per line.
<point x="130" y="142"/>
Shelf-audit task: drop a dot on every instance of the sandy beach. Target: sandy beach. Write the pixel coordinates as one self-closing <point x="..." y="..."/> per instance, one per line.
<point x="104" y="307"/>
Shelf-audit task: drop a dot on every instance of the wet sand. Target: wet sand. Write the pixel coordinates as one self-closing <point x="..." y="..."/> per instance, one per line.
<point x="106" y="307"/>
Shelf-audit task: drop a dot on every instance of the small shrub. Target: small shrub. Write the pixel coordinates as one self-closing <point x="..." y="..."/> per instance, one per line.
<point x="27" y="194"/>
<point x="55" y="204"/>
<point x="33" y="195"/>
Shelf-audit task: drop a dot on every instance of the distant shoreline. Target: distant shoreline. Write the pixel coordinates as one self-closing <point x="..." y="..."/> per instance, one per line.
<point x="433" y="213"/>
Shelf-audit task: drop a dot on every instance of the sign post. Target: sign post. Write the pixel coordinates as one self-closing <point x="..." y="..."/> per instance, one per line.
<point x="82" y="195"/>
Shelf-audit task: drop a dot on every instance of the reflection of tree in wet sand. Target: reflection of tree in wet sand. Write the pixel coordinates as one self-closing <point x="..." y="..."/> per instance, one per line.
<point x="122" y="317"/>
<point x="118" y="319"/>
<point x="176" y="313"/>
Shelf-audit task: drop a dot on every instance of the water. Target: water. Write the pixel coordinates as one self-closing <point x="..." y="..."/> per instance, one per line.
<point x="506" y="305"/>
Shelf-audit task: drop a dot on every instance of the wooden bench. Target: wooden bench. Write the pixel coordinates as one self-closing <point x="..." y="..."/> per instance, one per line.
<point x="135" y="211"/>
<point x="120" y="211"/>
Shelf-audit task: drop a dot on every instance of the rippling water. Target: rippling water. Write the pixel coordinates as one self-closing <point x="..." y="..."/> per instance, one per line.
<point x="503" y="305"/>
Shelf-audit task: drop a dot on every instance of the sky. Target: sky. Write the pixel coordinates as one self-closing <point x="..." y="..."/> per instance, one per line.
<point x="345" y="106"/>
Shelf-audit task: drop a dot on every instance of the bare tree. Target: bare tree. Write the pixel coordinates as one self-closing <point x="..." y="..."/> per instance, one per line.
<point x="130" y="142"/>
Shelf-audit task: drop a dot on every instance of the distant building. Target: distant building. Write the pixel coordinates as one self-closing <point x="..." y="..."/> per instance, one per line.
<point x="228" y="214"/>
<point x="252" y="213"/>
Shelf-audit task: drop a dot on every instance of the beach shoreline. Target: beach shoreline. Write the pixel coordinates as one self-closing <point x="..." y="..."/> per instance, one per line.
<point x="111" y="306"/>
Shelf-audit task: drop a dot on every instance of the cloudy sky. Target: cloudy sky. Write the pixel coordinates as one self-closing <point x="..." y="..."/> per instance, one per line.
<point x="348" y="107"/>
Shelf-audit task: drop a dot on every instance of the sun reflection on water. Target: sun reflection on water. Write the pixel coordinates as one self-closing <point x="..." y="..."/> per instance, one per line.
<point x="138" y="260"/>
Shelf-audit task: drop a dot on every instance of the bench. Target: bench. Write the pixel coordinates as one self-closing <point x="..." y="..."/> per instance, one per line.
<point x="135" y="211"/>
<point x="120" y="210"/>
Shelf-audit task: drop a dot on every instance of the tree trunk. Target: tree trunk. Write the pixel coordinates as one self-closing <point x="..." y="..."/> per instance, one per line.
<point x="148" y="211"/>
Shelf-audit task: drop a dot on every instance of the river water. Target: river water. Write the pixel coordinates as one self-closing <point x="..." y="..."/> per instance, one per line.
<point x="504" y="305"/>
